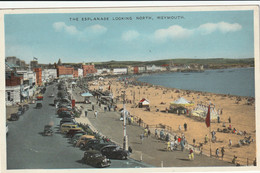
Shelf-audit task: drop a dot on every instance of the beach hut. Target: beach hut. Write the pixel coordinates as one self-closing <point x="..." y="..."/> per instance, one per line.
<point x="143" y="103"/>
<point x="87" y="95"/>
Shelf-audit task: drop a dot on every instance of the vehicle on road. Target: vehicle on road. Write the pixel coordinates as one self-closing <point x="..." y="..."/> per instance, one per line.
<point x="114" y="152"/>
<point x="83" y="140"/>
<point x="64" y="114"/>
<point x="96" y="159"/>
<point x="95" y="144"/>
<point x="38" y="105"/>
<point x="26" y="107"/>
<point x="67" y="120"/>
<point x="75" y="138"/>
<point x="67" y="126"/>
<point x="47" y="130"/>
<point x="14" y="117"/>
<point x="72" y="132"/>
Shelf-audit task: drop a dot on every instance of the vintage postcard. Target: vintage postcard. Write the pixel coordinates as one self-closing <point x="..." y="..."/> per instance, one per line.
<point x="130" y="89"/>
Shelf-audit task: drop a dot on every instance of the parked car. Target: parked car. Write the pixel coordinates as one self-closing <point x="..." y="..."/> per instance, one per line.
<point x="71" y="132"/>
<point x="90" y="145"/>
<point x="67" y="120"/>
<point x="75" y="138"/>
<point x="114" y="152"/>
<point x="96" y="159"/>
<point x="66" y="114"/>
<point x="47" y="130"/>
<point x="38" y="105"/>
<point x="66" y="127"/>
<point x="63" y="109"/>
<point x="26" y="106"/>
<point x="14" y="117"/>
<point x="83" y="140"/>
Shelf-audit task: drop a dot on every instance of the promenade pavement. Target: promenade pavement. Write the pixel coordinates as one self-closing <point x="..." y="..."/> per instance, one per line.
<point x="151" y="150"/>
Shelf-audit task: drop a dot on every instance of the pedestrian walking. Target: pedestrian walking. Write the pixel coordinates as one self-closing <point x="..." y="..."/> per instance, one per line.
<point x="92" y="107"/>
<point x="149" y="132"/>
<point x="156" y="133"/>
<point x="172" y="145"/>
<point x="185" y="126"/>
<point x="142" y="137"/>
<point x="222" y="152"/>
<point x="167" y="137"/>
<point x="218" y="119"/>
<point x="168" y="146"/>
<point x="182" y="145"/>
<point x="217" y="152"/>
<point x="86" y="113"/>
<point x="191" y="154"/>
<point x="96" y="114"/>
<point x="139" y="121"/>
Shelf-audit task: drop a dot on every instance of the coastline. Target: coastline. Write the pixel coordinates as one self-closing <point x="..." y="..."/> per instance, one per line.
<point x="242" y="115"/>
<point x="135" y="78"/>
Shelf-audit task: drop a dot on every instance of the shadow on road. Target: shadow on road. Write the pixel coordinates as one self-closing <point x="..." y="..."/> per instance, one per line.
<point x="184" y="159"/>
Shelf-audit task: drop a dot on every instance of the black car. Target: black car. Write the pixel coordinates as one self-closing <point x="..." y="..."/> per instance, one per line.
<point x="65" y="114"/>
<point x="47" y="130"/>
<point x="67" y="120"/>
<point x="114" y="152"/>
<point x="14" y="117"/>
<point x="95" y="144"/>
<point x="38" y="105"/>
<point x="96" y="159"/>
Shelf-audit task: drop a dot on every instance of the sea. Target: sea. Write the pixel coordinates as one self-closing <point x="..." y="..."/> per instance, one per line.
<point x="235" y="81"/>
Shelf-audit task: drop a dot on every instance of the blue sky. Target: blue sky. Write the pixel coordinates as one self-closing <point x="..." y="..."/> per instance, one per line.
<point x="213" y="34"/>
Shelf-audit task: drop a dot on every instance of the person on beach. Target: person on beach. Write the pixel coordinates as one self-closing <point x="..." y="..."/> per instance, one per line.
<point x="229" y="120"/>
<point x="230" y="143"/>
<point x="222" y="152"/>
<point x="194" y="141"/>
<point x="206" y="139"/>
<point x="86" y="113"/>
<point x="179" y="127"/>
<point x="218" y="119"/>
<point x="92" y="107"/>
<point x="185" y="126"/>
<point x="96" y="114"/>
<point x="149" y="132"/>
<point x="217" y="152"/>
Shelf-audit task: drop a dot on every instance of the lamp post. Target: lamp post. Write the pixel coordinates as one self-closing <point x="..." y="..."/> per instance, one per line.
<point x="125" y="147"/>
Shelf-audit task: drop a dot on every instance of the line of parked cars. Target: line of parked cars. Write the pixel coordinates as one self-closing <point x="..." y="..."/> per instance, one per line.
<point x="98" y="150"/>
<point x="21" y="110"/>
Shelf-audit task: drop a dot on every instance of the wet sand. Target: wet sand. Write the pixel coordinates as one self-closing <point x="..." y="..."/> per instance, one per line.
<point x="242" y="115"/>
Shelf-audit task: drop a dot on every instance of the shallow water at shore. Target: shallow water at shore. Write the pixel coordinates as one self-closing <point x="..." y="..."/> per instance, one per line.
<point x="238" y="81"/>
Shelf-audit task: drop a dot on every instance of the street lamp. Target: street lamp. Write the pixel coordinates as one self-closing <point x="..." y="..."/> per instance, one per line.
<point x="125" y="141"/>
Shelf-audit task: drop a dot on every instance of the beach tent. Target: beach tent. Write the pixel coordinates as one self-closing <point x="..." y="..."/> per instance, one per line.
<point x="144" y="103"/>
<point x="181" y="102"/>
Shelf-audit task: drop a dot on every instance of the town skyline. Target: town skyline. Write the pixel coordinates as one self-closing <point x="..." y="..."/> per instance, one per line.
<point x="101" y="37"/>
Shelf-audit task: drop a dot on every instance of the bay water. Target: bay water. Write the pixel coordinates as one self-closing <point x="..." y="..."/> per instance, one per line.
<point x="235" y="81"/>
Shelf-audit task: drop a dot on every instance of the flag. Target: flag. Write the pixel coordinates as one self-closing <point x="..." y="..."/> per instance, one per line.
<point x="208" y="117"/>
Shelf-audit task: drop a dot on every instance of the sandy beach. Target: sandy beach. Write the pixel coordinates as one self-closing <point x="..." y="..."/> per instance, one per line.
<point x="242" y="115"/>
